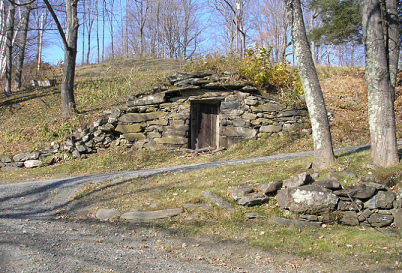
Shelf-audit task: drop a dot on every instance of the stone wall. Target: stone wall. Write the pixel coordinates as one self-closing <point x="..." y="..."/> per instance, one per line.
<point x="164" y="119"/>
<point x="325" y="200"/>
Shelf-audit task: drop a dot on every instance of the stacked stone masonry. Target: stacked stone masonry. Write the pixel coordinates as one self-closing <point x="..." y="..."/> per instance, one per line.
<point x="326" y="201"/>
<point x="197" y="102"/>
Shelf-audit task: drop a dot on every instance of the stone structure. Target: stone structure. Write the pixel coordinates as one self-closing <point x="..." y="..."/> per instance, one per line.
<point x="199" y="111"/>
<point x="326" y="201"/>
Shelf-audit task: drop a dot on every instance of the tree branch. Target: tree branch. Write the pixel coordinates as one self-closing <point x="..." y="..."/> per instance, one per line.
<point x="21" y="5"/>
<point x="56" y="20"/>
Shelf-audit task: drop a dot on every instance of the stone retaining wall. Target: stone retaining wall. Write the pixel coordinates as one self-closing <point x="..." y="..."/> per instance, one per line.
<point x="326" y="201"/>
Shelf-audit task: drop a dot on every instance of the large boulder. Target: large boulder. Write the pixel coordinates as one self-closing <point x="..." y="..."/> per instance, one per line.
<point x="307" y="199"/>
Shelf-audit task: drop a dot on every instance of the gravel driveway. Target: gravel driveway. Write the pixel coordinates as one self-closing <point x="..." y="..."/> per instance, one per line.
<point x="38" y="235"/>
<point x="35" y="235"/>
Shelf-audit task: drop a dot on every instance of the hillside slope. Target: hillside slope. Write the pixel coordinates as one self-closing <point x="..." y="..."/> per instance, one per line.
<point x="31" y="118"/>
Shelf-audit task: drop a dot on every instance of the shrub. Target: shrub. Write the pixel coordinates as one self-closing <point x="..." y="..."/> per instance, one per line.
<point x="279" y="76"/>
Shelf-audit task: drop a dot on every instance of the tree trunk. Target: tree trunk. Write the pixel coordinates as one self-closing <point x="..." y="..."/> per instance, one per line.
<point x="9" y="47"/>
<point x="392" y="20"/>
<point x="323" y="152"/>
<point x="381" y="113"/>
<point x="39" y="46"/>
<point x="70" y="54"/>
<point x="21" y="52"/>
<point x="84" y="22"/>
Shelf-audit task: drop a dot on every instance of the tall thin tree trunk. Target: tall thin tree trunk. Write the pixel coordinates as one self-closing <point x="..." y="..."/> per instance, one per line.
<point x="323" y="152"/>
<point x="9" y="47"/>
<point x="97" y="31"/>
<point x="83" y="32"/>
<point x="39" y="46"/>
<point x="21" y="52"/>
<point x="103" y="29"/>
<point x="384" y="151"/>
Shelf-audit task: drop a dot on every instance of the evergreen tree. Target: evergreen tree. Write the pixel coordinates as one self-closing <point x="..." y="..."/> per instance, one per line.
<point x="341" y="22"/>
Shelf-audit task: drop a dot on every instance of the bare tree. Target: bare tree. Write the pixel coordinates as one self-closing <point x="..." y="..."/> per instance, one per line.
<point x="70" y="53"/>
<point x="40" y="21"/>
<point x="22" y="45"/>
<point x="234" y="13"/>
<point x="323" y="152"/>
<point x="271" y="26"/>
<point x="9" y="47"/>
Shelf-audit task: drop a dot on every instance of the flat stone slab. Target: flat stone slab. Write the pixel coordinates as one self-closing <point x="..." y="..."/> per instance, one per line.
<point x="146" y="216"/>
<point x="284" y="221"/>
<point x="105" y="214"/>
<point x="217" y="200"/>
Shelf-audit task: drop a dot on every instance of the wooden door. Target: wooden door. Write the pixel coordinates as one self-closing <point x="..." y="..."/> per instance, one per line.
<point x="204" y="125"/>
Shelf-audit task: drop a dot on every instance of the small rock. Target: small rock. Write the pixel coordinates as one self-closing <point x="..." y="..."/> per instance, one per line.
<point x="271" y="187"/>
<point x="32" y="163"/>
<point x="384" y="199"/>
<point x="76" y="154"/>
<point x="397" y="213"/>
<point x="21" y="157"/>
<point x="328" y="183"/>
<point x="255" y="199"/>
<point x="369" y="178"/>
<point x="310" y="218"/>
<point x="349" y="218"/>
<point x="360" y="191"/>
<point x="364" y="215"/>
<point x="252" y="215"/>
<point x="347" y="205"/>
<point x="296" y="181"/>
<point x="375" y="185"/>
<point x="6" y="159"/>
<point x="108" y="127"/>
<point x="100" y="122"/>
<point x="11" y="168"/>
<point x="154" y="205"/>
<point x="240" y="192"/>
<point x="349" y="174"/>
<point x="380" y="220"/>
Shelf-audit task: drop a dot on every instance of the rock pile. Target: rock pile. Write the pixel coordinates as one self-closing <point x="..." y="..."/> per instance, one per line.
<point x="99" y="135"/>
<point x="326" y="201"/>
